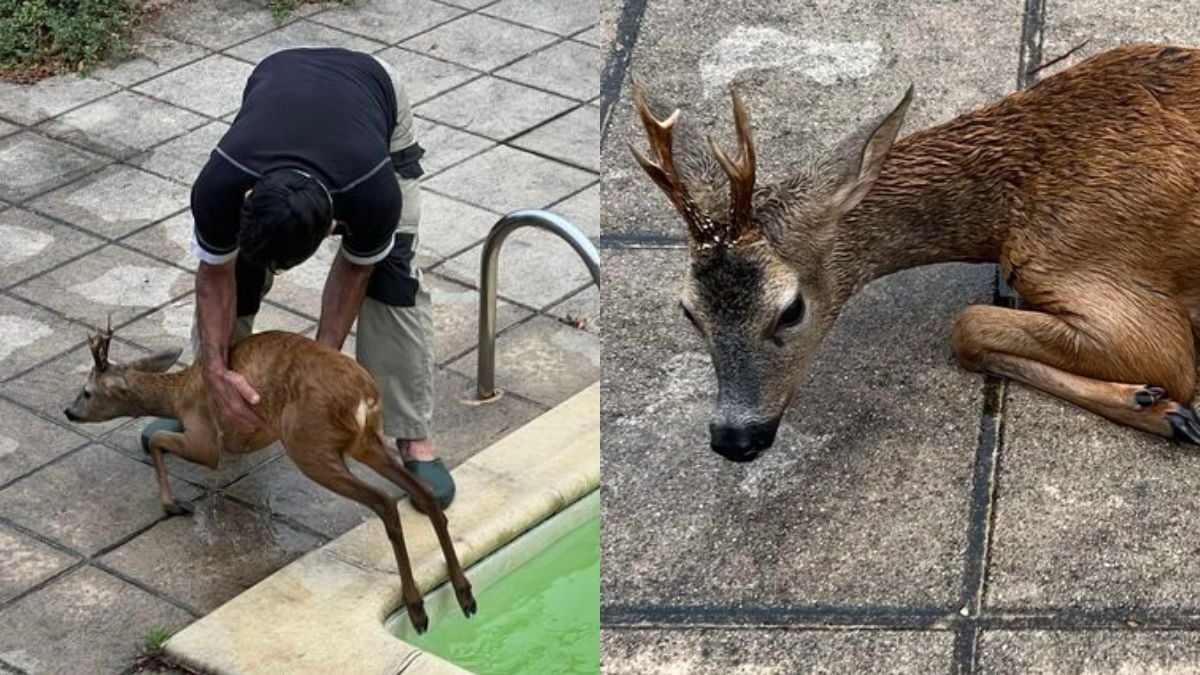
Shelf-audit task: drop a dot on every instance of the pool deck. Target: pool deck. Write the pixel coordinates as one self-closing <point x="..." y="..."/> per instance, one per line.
<point x="912" y="517"/>
<point x="328" y="609"/>
<point x="94" y="183"/>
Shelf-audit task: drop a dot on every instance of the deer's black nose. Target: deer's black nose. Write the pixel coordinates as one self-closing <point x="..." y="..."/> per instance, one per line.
<point x="70" y="415"/>
<point x="743" y="443"/>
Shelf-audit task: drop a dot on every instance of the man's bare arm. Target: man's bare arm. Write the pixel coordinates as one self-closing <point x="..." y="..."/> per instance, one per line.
<point x="215" y="306"/>
<point x="341" y="300"/>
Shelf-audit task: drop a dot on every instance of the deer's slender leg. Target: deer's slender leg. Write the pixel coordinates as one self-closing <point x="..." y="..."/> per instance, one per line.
<point x="192" y="445"/>
<point x="380" y="461"/>
<point x="1134" y="364"/>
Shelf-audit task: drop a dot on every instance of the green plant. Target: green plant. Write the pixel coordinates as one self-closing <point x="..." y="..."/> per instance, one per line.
<point x="42" y="37"/>
<point x="153" y="641"/>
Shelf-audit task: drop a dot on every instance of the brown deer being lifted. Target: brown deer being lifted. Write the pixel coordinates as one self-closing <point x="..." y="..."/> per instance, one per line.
<point x="1085" y="188"/>
<point x="319" y="402"/>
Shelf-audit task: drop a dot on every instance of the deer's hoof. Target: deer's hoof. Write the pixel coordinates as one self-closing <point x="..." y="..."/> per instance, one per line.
<point x="466" y="601"/>
<point x="174" y="509"/>
<point x="416" y="614"/>
<point x="1185" y="426"/>
<point x="1148" y="396"/>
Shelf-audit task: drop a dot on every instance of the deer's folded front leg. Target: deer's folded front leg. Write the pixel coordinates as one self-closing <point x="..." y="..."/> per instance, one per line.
<point x="1134" y="365"/>
<point x="193" y="445"/>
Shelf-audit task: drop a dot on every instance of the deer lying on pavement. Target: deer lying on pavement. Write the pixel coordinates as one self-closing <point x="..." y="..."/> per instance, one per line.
<point x="319" y="402"/>
<point x="1085" y="188"/>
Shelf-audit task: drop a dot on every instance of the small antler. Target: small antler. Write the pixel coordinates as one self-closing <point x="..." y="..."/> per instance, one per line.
<point x="98" y="343"/>
<point x="663" y="172"/>
<point x="740" y="172"/>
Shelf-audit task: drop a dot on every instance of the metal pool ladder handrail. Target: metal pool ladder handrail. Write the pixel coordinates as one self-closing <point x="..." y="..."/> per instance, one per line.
<point x="551" y="222"/>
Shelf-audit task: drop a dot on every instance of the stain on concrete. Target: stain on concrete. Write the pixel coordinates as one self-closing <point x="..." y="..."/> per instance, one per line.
<point x="17" y="332"/>
<point x="18" y="244"/>
<point x="753" y="48"/>
<point x="130" y="286"/>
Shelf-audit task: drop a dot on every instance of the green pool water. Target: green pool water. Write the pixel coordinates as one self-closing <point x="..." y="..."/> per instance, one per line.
<point x="543" y="617"/>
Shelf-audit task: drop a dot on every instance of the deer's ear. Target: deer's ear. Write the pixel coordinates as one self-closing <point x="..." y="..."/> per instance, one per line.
<point x="860" y="157"/>
<point x="156" y="363"/>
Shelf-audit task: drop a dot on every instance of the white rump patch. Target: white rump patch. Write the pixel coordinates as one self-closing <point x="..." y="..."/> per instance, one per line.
<point x="130" y="286"/>
<point x="18" y="244"/>
<point x="752" y="48"/>
<point x="17" y="332"/>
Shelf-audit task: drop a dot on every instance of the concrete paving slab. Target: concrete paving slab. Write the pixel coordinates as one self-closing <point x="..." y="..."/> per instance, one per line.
<point x="543" y="360"/>
<point x="445" y="146"/>
<point x="33" y="164"/>
<point x="28" y="441"/>
<point x="1087" y="652"/>
<point x="1106" y="24"/>
<point x="567" y="68"/>
<point x="112" y="280"/>
<point x="30" y="335"/>
<point x="651" y="651"/>
<point x="1071" y="516"/>
<point x="215" y="24"/>
<point x="154" y="55"/>
<point x="449" y="226"/>
<point x="122" y="125"/>
<point x="183" y="157"/>
<point x="863" y="499"/>
<point x="582" y="210"/>
<point x="105" y="203"/>
<point x="31" y="243"/>
<point x="302" y="33"/>
<point x="494" y="108"/>
<point x="574" y="138"/>
<point x="87" y="622"/>
<point x="170" y="240"/>
<point x="32" y="103"/>
<point x="479" y="42"/>
<point x="211" y="86"/>
<point x="581" y="309"/>
<point x="388" y="21"/>
<point x="590" y="36"/>
<point x="462" y="427"/>
<point x="555" y="16"/>
<point x="211" y="556"/>
<point x="27" y="563"/>
<point x="424" y="77"/>
<point x="89" y="500"/>
<point x="534" y="268"/>
<point x="7" y="128"/>
<point x="504" y="179"/>
<point x="456" y="316"/>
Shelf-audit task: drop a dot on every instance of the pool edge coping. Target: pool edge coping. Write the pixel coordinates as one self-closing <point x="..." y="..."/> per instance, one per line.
<point x="326" y="611"/>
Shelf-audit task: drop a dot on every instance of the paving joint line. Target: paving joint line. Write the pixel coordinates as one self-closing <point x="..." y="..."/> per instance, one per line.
<point x="620" y="56"/>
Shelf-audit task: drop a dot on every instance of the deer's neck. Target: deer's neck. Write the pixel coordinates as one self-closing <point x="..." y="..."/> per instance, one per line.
<point x="156" y="394"/>
<point x="944" y="195"/>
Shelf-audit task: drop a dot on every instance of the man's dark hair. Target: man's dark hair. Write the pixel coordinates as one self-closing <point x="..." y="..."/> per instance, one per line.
<point x="284" y="219"/>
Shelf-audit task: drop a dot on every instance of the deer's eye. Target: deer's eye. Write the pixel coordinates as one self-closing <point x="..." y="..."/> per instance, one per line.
<point x="87" y="394"/>
<point x="792" y="314"/>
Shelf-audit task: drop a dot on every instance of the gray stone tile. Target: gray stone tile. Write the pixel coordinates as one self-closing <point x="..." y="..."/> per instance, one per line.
<point x="424" y="77"/>
<point x="574" y="138"/>
<point x="87" y="622"/>
<point x="1068" y="533"/>
<point x="212" y="86"/>
<point x="122" y="125"/>
<point x="32" y="103"/>
<point x="27" y="562"/>
<point x="468" y="4"/>
<point x="582" y="210"/>
<point x="567" y="68"/>
<point x="216" y="24"/>
<point x="209" y="558"/>
<point x="89" y="500"/>
<point x="556" y="16"/>
<point x="463" y="427"/>
<point x="480" y="42"/>
<point x="456" y="316"/>
<point x="7" y="128"/>
<point x="31" y="164"/>
<point x="493" y="108"/>
<point x="1086" y="652"/>
<point x="112" y="280"/>
<point x="302" y="33"/>
<point x="28" y="441"/>
<point x="183" y="157"/>
<point x="1106" y="24"/>
<point x="102" y="202"/>
<point x="30" y="335"/>
<point x="445" y="146"/>
<point x="170" y="240"/>
<point x="537" y="268"/>
<point x="863" y="499"/>
<point x="281" y="489"/>
<point x="504" y="179"/>
<point x="155" y="54"/>
<point x="449" y="226"/>
<point x="630" y="652"/>
<point x="30" y="243"/>
<point x="590" y="36"/>
<point x="542" y="359"/>
<point x="388" y="21"/>
<point x="581" y="310"/>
